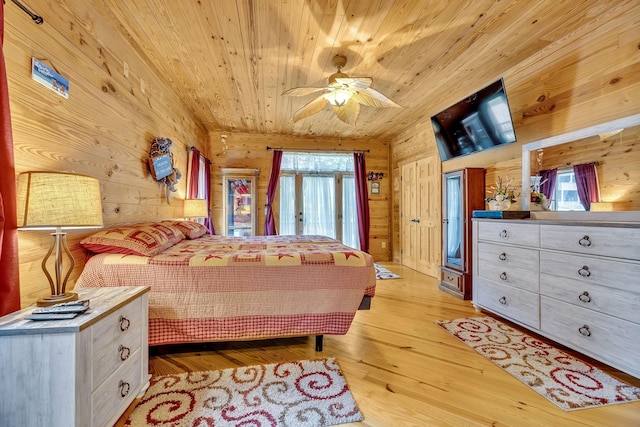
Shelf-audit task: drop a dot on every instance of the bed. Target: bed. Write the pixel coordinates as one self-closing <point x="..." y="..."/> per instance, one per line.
<point x="216" y="288"/>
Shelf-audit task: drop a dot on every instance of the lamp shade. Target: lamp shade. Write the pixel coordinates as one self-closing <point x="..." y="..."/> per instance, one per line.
<point x="56" y="199"/>
<point x="195" y="208"/>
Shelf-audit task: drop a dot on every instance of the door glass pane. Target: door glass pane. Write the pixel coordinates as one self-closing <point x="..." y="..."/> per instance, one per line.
<point x="349" y="213"/>
<point x="454" y="224"/>
<point x="318" y="205"/>
<point x="239" y="207"/>
<point x="287" y="187"/>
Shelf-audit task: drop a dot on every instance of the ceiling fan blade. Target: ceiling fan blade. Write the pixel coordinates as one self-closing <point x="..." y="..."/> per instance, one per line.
<point x="355" y="83"/>
<point x="349" y="112"/>
<point x="310" y="109"/>
<point x="302" y="91"/>
<point x="373" y="98"/>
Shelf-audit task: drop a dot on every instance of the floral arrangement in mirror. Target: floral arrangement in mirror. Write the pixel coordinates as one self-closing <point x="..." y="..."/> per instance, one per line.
<point x="538" y="200"/>
<point x="502" y="195"/>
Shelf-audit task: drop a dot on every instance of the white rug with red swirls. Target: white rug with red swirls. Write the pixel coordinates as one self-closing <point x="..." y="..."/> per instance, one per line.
<point x="568" y="382"/>
<point x="300" y="393"/>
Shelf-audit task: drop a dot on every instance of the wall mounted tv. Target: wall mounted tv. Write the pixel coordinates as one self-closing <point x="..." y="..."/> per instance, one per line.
<point x="478" y="122"/>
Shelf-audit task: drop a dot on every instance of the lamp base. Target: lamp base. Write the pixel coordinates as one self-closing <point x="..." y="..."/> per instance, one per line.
<point x="56" y="299"/>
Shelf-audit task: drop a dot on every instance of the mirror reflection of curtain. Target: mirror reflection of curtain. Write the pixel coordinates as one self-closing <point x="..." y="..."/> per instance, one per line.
<point x="454" y="215"/>
<point x="548" y="182"/>
<point x="587" y="184"/>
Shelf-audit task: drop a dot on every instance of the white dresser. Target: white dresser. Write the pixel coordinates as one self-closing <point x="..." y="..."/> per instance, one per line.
<point x="80" y="372"/>
<point x="577" y="283"/>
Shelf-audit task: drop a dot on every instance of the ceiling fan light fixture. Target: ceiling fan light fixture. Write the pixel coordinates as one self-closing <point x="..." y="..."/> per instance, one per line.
<point x="344" y="93"/>
<point x="339" y="97"/>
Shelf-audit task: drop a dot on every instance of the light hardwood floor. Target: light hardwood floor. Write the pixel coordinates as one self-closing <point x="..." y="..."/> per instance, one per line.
<point x="404" y="370"/>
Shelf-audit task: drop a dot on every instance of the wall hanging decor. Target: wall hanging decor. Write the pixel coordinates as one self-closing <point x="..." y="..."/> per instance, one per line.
<point x="161" y="163"/>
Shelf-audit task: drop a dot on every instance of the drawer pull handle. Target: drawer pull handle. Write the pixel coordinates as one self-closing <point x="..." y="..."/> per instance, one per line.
<point x="585" y="331"/>
<point x="584" y="271"/>
<point x="503" y="276"/>
<point x="124" y="323"/>
<point x="503" y="300"/>
<point x="502" y="256"/>
<point x="584" y="297"/>
<point x="504" y="234"/>
<point x="585" y="242"/>
<point x="125" y="352"/>
<point x="124" y="387"/>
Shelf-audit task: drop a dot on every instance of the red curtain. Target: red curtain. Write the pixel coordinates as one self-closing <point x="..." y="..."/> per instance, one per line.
<point x="9" y="271"/>
<point x="194" y="173"/>
<point x="362" y="200"/>
<point x="207" y="195"/>
<point x="194" y="182"/>
<point x="270" y="222"/>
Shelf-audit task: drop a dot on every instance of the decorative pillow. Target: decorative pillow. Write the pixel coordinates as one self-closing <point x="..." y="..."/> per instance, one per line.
<point x="191" y="229"/>
<point x="145" y="239"/>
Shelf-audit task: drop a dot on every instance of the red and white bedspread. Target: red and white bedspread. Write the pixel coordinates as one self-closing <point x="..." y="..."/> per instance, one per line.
<point x="219" y="288"/>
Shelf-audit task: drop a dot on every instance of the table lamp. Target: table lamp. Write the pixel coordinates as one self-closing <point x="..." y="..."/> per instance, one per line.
<point x="195" y="208"/>
<point x="58" y="201"/>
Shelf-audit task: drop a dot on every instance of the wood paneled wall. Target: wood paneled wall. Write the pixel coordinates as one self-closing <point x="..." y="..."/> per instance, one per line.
<point x="590" y="77"/>
<point x="116" y="106"/>
<point x="250" y="151"/>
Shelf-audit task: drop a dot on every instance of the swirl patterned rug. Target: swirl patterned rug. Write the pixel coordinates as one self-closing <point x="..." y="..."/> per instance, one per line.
<point x="301" y="393"/>
<point x="561" y="378"/>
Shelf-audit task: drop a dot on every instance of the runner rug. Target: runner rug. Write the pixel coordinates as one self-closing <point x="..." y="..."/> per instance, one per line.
<point x="382" y="273"/>
<point x="302" y="393"/>
<point x="568" y="382"/>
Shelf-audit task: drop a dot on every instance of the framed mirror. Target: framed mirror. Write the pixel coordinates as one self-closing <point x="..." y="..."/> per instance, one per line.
<point x="601" y="130"/>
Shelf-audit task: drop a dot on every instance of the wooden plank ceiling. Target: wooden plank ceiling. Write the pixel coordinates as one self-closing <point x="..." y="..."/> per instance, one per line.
<point x="231" y="60"/>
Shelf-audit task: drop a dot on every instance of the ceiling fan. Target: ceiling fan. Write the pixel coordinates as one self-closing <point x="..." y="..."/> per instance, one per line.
<point x="344" y="93"/>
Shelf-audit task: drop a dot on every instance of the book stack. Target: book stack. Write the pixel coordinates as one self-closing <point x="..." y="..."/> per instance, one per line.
<point x="502" y="214"/>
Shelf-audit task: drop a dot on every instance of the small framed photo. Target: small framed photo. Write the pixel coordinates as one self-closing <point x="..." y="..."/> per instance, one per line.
<point x="375" y="187"/>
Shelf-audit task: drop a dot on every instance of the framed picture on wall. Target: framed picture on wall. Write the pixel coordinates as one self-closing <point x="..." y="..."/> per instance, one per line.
<point x="375" y="187"/>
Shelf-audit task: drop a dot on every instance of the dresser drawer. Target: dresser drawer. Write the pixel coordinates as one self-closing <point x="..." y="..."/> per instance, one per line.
<point x="116" y="393"/>
<point x="508" y="264"/>
<point x="615" y="274"/>
<point x="125" y="320"/>
<point x="512" y="232"/>
<point x="108" y="358"/>
<point x="606" y="338"/>
<point x="607" y="241"/>
<point x="516" y="304"/>
<point x="615" y="302"/>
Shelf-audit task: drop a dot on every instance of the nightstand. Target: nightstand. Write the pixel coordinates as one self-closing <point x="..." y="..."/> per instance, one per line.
<point x="80" y="372"/>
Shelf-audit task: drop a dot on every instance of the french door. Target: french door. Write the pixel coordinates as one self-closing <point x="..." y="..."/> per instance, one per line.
<point x="321" y="204"/>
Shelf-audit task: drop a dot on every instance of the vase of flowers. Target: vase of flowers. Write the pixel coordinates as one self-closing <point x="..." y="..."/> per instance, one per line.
<point x="503" y="194"/>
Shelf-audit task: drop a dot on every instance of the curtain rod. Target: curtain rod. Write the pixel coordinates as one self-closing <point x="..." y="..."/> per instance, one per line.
<point x="36" y="18"/>
<point x="316" y="149"/>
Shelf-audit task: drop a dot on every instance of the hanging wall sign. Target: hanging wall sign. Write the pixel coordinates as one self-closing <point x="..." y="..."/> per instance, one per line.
<point x="48" y="77"/>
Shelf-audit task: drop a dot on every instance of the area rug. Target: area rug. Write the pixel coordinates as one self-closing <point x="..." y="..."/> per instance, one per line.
<point x="382" y="273"/>
<point x="568" y="382"/>
<point x="301" y="393"/>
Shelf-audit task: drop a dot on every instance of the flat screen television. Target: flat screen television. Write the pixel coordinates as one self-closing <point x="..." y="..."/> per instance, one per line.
<point x="479" y="122"/>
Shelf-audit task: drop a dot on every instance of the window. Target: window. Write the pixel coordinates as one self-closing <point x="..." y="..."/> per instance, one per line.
<point x="565" y="195"/>
<point x="317" y="196"/>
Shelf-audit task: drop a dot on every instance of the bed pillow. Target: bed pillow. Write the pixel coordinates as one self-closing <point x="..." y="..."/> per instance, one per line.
<point x="145" y="239"/>
<point x="191" y="229"/>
